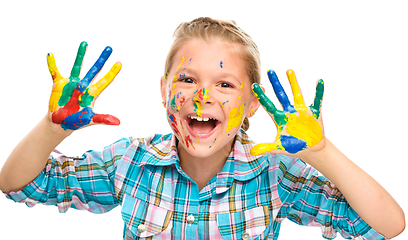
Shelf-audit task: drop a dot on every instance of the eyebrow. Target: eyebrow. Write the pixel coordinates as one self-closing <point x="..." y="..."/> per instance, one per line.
<point x="221" y="74"/>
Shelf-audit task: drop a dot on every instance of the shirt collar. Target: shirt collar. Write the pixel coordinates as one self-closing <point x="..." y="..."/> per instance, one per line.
<point x="240" y="165"/>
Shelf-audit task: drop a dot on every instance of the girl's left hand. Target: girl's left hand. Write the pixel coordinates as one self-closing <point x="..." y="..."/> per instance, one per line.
<point x="300" y="128"/>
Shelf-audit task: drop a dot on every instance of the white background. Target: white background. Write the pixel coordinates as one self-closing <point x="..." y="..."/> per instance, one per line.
<point x="360" y="49"/>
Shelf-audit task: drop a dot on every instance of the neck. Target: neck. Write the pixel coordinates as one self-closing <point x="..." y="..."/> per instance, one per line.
<point x="202" y="169"/>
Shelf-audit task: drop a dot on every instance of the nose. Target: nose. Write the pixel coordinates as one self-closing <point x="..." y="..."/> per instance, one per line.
<point x="203" y="96"/>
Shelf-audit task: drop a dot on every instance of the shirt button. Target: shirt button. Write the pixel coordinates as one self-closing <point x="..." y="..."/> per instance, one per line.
<point x="245" y="236"/>
<point x="190" y="219"/>
<point x="141" y="228"/>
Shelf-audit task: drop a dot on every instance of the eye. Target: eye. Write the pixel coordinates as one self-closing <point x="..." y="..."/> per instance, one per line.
<point x="225" y="85"/>
<point x="186" y="80"/>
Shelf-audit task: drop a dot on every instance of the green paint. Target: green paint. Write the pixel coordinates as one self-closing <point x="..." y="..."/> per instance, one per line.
<point x="315" y="107"/>
<point x="86" y="99"/>
<point x="76" y="69"/>
<point x="173" y="104"/>
<point x="67" y="92"/>
<point x="279" y="116"/>
<point x="195" y="91"/>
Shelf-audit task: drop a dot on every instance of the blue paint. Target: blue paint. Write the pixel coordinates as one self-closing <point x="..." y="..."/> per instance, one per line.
<point x="292" y="144"/>
<point x="280" y="92"/>
<point x="221" y="64"/>
<point x="78" y="119"/>
<point x="182" y="75"/>
<point x="95" y="69"/>
<point x="214" y="140"/>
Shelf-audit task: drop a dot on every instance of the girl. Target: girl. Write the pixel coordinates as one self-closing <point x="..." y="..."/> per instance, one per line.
<point x="206" y="180"/>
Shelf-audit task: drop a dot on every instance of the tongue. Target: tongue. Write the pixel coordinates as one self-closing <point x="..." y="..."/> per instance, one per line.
<point x="202" y="127"/>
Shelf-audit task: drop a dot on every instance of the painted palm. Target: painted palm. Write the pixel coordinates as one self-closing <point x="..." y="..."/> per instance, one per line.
<point x="72" y="99"/>
<point x="298" y="126"/>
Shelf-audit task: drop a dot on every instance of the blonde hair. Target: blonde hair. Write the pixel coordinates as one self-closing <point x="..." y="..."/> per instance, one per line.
<point x="207" y="29"/>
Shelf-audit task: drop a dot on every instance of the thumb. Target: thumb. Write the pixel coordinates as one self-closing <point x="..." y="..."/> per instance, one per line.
<point x="105" y="119"/>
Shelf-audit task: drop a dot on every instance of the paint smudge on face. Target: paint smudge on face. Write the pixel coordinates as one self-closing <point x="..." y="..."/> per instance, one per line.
<point x="173" y="104"/>
<point x="198" y="109"/>
<point x="189" y="141"/>
<point x="204" y="95"/>
<point x="221" y="64"/>
<point x="182" y="101"/>
<point x="175" y="74"/>
<point x="242" y="85"/>
<point x="182" y="75"/>
<point x="240" y="97"/>
<point x="173" y="124"/>
<point x="235" y="117"/>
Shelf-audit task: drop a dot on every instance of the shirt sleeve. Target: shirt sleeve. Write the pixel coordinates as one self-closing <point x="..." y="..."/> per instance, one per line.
<point x="84" y="183"/>
<point x="308" y="198"/>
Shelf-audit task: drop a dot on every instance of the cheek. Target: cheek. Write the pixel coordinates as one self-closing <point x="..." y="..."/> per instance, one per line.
<point x="175" y="99"/>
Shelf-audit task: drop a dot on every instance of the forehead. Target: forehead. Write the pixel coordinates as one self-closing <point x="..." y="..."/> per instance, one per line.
<point x="214" y="55"/>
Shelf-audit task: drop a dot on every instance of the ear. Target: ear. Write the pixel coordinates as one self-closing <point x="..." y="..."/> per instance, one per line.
<point x="163" y="90"/>
<point x="254" y="105"/>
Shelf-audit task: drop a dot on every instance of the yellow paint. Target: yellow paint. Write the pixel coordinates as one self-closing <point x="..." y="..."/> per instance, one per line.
<point x="263" y="148"/>
<point x="175" y="74"/>
<point x="240" y="97"/>
<point x="198" y="108"/>
<point x="242" y="85"/>
<point x="59" y="83"/>
<point x="56" y="93"/>
<point x="305" y="127"/>
<point x="297" y="95"/>
<point x="235" y="117"/>
<point x="206" y="95"/>
<point x="97" y="88"/>
<point x="52" y="67"/>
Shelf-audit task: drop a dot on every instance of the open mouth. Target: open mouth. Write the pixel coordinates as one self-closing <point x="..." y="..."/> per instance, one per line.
<point x="202" y="125"/>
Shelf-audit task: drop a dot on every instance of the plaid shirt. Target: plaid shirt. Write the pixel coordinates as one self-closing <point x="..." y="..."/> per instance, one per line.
<point x="247" y="199"/>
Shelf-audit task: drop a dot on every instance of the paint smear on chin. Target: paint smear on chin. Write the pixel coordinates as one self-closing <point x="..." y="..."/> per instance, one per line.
<point x="235" y="117"/>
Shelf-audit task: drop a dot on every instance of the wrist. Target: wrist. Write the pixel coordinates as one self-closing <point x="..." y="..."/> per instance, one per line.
<point x="320" y="154"/>
<point x="54" y="130"/>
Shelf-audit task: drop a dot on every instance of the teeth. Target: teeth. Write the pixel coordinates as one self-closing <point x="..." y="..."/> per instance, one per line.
<point x="200" y="119"/>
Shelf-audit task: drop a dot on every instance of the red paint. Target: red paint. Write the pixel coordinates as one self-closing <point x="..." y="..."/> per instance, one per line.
<point x="182" y="101"/>
<point x="70" y="108"/>
<point x="200" y="95"/>
<point x="189" y="141"/>
<point x="106" y="119"/>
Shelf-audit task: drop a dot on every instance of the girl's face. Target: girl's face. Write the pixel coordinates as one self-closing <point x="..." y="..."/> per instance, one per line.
<point x="207" y="94"/>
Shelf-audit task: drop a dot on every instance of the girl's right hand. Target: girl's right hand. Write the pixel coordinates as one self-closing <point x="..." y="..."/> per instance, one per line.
<point x="72" y="99"/>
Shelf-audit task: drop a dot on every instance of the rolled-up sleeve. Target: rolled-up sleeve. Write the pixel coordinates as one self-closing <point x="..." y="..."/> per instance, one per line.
<point x="308" y="198"/>
<point x="84" y="183"/>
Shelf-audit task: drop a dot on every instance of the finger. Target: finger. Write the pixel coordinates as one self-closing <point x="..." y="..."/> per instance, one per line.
<point x="52" y="67"/>
<point x="280" y="92"/>
<point x="297" y="94"/>
<point x="76" y="69"/>
<point x="105" y="119"/>
<point x="263" y="148"/>
<point x="278" y="116"/>
<point x="97" y="88"/>
<point x="317" y="103"/>
<point x="95" y="69"/>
